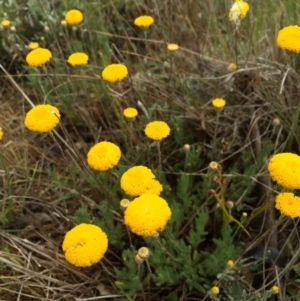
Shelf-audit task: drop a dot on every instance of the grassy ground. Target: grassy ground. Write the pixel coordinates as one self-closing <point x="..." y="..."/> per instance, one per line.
<point x="47" y="188"/>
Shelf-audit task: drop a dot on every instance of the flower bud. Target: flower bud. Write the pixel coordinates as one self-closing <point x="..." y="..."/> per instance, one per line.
<point x="186" y="148"/>
<point x="229" y="204"/>
<point x="212" y="192"/>
<point x="230" y="263"/>
<point x="213" y="165"/>
<point x="124" y="204"/>
<point x="138" y="259"/>
<point x="245" y="214"/>
<point x="143" y="252"/>
<point x="276" y="121"/>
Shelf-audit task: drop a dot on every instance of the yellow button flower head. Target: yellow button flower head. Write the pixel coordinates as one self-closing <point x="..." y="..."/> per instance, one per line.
<point x="5" y="23"/>
<point x="85" y="245"/>
<point x="143" y="21"/>
<point x="238" y="11"/>
<point x="1" y="134"/>
<point x="275" y="289"/>
<point x="215" y="290"/>
<point x="172" y="47"/>
<point x="114" y="73"/>
<point x="130" y="112"/>
<point x="231" y="67"/>
<point x="38" y="57"/>
<point x="103" y="156"/>
<point x="288" y="204"/>
<point x="284" y="168"/>
<point x="230" y="263"/>
<point x="33" y="45"/>
<point x="74" y="17"/>
<point x="42" y="118"/>
<point x="288" y="38"/>
<point x="78" y="58"/>
<point x="139" y="180"/>
<point x="218" y="103"/>
<point x="147" y="215"/>
<point x="157" y="130"/>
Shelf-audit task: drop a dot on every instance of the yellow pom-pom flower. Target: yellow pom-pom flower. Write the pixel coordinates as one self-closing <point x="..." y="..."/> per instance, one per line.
<point x="157" y="130"/>
<point x="114" y="73"/>
<point x="74" y="17"/>
<point x="288" y="204"/>
<point x="33" y="45"/>
<point x="78" y="58"/>
<point x="139" y="180"/>
<point x="218" y="103"/>
<point x="85" y="245"/>
<point x="284" y="168"/>
<point x="172" y="47"/>
<point x="215" y="290"/>
<point x="231" y="67"/>
<point x="230" y="263"/>
<point x="238" y="11"/>
<point x="1" y="134"/>
<point x="147" y="215"/>
<point x="130" y="113"/>
<point x="275" y="289"/>
<point x="5" y="23"/>
<point x="288" y="38"/>
<point x="143" y="21"/>
<point x="103" y="156"/>
<point x="38" y="57"/>
<point x="42" y="118"/>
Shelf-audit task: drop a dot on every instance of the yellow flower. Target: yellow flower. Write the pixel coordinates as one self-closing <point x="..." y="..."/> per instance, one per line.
<point x="172" y="47"/>
<point x="85" y="245"/>
<point x="215" y="290"/>
<point x="130" y="112"/>
<point x="139" y="180"/>
<point x="33" y="45"/>
<point x="1" y="134"/>
<point x="288" y="38"/>
<point x="143" y="21"/>
<point x="114" y="72"/>
<point x="103" y="156"/>
<point x="42" y="118"/>
<point x="230" y="263"/>
<point x="288" y="204"/>
<point x="284" y="168"/>
<point x="275" y="289"/>
<point x="232" y="67"/>
<point x="238" y="11"/>
<point x="5" y="23"/>
<point x="78" y="58"/>
<point x="38" y="57"/>
<point x="74" y="17"/>
<point x="218" y="103"/>
<point x="147" y="215"/>
<point x="157" y="130"/>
